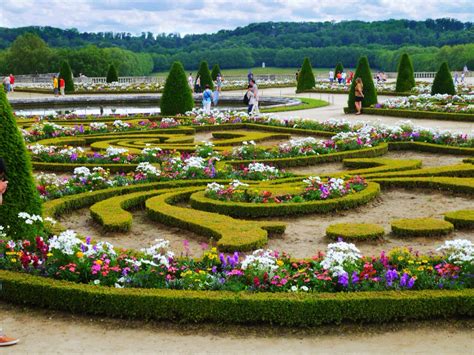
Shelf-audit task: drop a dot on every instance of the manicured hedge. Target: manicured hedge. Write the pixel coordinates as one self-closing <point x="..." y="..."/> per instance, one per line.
<point x="451" y="184"/>
<point x="355" y="231"/>
<point x="421" y="227"/>
<point x="431" y="115"/>
<point x="199" y="201"/>
<point x="431" y="148"/>
<point x="459" y="170"/>
<point x="69" y="167"/>
<point x="462" y="219"/>
<point x="231" y="235"/>
<point x="286" y="309"/>
<point x="366" y="166"/>
<point x="376" y="151"/>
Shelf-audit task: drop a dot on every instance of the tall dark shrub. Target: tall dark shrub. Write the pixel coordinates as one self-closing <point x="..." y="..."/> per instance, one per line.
<point x="306" y="77"/>
<point x="215" y="70"/>
<point x="205" y="76"/>
<point x="21" y="194"/>
<point x="405" y="77"/>
<point x="66" y="73"/>
<point x="370" y="94"/>
<point x="112" y="75"/>
<point x="177" y="96"/>
<point x="443" y="81"/>
<point x="339" y="69"/>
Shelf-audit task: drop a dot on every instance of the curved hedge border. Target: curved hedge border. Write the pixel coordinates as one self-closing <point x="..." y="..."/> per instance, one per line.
<point x="199" y="201"/>
<point x="355" y="231"/>
<point x="379" y="150"/>
<point x="451" y="184"/>
<point x="459" y="170"/>
<point x="421" y="227"/>
<point x="448" y="116"/>
<point x="286" y="309"/>
<point x="231" y="235"/>
<point x="431" y="148"/>
<point x="366" y="166"/>
<point x="461" y="219"/>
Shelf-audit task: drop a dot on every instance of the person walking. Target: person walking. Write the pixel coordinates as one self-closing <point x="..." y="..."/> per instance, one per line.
<point x="206" y="100"/>
<point x="343" y="76"/>
<point x="250" y="76"/>
<point x="55" y="86"/>
<point x="219" y="82"/>
<point x="255" y="108"/>
<point x="190" y="81"/>
<point x="250" y="99"/>
<point x="297" y="75"/>
<point x="197" y="84"/>
<point x="12" y="82"/>
<point x="331" y="76"/>
<point x="62" y="86"/>
<point x="359" y="95"/>
<point x="7" y="84"/>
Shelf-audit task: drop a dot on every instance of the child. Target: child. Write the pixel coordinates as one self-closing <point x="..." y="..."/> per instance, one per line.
<point x="3" y="184"/>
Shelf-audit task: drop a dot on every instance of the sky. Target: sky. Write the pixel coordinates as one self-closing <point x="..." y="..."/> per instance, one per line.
<point x="208" y="16"/>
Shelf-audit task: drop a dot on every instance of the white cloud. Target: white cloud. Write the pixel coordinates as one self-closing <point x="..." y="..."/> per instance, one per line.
<point x="189" y="16"/>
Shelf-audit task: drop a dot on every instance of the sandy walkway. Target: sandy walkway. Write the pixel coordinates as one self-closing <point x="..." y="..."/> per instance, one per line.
<point x="46" y="332"/>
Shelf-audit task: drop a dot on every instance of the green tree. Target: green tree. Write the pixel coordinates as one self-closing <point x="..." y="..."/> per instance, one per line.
<point x="177" y="97"/>
<point x="215" y="71"/>
<point x="339" y="69"/>
<point x="405" y="77"/>
<point x="205" y="76"/>
<point x="112" y="75"/>
<point x="306" y="79"/>
<point x="370" y="94"/>
<point x="66" y="74"/>
<point x="21" y="194"/>
<point x="29" y="54"/>
<point x="443" y="81"/>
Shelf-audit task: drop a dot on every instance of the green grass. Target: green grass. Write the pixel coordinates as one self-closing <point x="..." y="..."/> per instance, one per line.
<point x="256" y="71"/>
<point x="306" y="104"/>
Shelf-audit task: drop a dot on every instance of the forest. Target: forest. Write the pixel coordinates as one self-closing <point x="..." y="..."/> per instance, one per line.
<point x="281" y="44"/>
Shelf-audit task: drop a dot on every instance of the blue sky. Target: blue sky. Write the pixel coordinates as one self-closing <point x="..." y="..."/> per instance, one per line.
<point x="187" y="16"/>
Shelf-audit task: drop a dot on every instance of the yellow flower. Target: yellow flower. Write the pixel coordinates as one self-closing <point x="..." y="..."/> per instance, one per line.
<point x="79" y="254"/>
<point x="49" y="254"/>
<point x="406" y="271"/>
<point x="418" y="263"/>
<point x="424" y="261"/>
<point x="214" y="250"/>
<point x="430" y="268"/>
<point x="410" y="261"/>
<point x="13" y="260"/>
<point x="99" y="262"/>
<point x="279" y="262"/>
<point x="400" y="258"/>
<point x="421" y="268"/>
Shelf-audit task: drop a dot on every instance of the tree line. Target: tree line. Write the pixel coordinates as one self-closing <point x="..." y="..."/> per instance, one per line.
<point x="280" y="44"/>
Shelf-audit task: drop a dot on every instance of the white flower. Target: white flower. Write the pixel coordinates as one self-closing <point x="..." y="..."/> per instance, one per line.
<point x="339" y="255"/>
<point x="458" y="251"/>
<point x="194" y="162"/>
<point x="114" y="151"/>
<point x="66" y="242"/>
<point x="159" y="252"/>
<point x="82" y="171"/>
<point x="147" y="169"/>
<point x="260" y="259"/>
<point x="214" y="186"/>
<point x="96" y="282"/>
<point x="236" y="184"/>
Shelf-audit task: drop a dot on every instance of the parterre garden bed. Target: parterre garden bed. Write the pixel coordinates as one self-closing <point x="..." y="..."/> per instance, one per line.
<point x="218" y="190"/>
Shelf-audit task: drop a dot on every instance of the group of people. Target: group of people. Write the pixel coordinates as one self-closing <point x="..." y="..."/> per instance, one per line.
<point x="208" y="97"/>
<point x="465" y="71"/>
<point x="59" y="85"/>
<point x="381" y="77"/>
<point x="341" y="77"/>
<point x="251" y="97"/>
<point x="8" y="83"/>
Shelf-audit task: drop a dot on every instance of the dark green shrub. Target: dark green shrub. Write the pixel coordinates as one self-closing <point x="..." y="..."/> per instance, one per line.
<point x="339" y="69"/>
<point x="177" y="97"/>
<point x="370" y="94"/>
<point x="405" y="77"/>
<point x="443" y="81"/>
<point x="205" y="76"/>
<point x="21" y="195"/>
<point x="215" y="71"/>
<point x="66" y="73"/>
<point x="112" y="75"/>
<point x="306" y="77"/>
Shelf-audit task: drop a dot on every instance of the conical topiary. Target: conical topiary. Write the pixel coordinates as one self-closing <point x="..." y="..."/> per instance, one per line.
<point x="443" y="81"/>
<point x="66" y="73"/>
<point x="112" y="75"/>
<point x="339" y="69"/>
<point x="405" y="77"/>
<point x="306" y="79"/>
<point x="177" y="97"/>
<point x="205" y="76"/>
<point x="370" y="94"/>
<point x="215" y="71"/>
<point x="21" y="194"/>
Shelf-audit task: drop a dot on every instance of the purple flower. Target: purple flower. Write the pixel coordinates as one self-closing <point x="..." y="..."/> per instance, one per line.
<point x="88" y="240"/>
<point x="355" y="277"/>
<point x="391" y="275"/>
<point x="74" y="156"/>
<point x="222" y="259"/>
<point x="214" y="269"/>
<point x="411" y="282"/>
<point x="404" y="280"/>
<point x="343" y="280"/>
